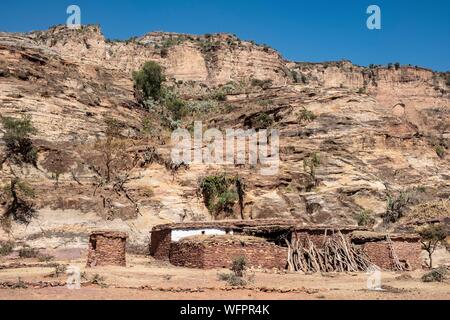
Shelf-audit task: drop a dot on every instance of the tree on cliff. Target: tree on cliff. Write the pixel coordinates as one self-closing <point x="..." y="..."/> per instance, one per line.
<point x="112" y="164"/>
<point x="148" y="81"/>
<point x="17" y="137"/>
<point x="19" y="149"/>
<point x="17" y="194"/>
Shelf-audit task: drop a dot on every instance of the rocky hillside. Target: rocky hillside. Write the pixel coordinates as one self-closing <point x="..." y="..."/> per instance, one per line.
<point x="351" y="137"/>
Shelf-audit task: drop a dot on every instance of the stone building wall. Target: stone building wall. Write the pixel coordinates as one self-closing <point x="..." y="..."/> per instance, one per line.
<point x="261" y="255"/>
<point x="219" y="252"/>
<point x="160" y="243"/>
<point x="271" y="229"/>
<point x="107" y="249"/>
<point x="187" y="254"/>
<point x="379" y="253"/>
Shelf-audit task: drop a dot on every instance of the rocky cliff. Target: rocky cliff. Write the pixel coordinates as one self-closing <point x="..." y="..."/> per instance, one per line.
<point x="380" y="132"/>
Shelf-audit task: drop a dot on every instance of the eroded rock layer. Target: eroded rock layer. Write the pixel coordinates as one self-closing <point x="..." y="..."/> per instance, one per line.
<point x="379" y="131"/>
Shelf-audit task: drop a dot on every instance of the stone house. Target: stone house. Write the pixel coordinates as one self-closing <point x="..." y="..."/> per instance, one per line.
<point x="263" y="243"/>
<point x="107" y="248"/>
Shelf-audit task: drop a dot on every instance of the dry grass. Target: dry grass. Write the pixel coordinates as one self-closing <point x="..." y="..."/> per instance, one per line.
<point x="431" y="210"/>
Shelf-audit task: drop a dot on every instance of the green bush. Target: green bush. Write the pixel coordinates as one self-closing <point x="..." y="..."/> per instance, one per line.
<point x="178" y="108"/>
<point x="265" y="102"/>
<point x="365" y="218"/>
<point x="27" y="252"/>
<point x="6" y="248"/>
<point x="396" y="206"/>
<point x="164" y="52"/>
<point x="238" y="266"/>
<point x="362" y="90"/>
<point x="147" y="127"/>
<point x="306" y="115"/>
<point x="45" y="258"/>
<point x="219" y="95"/>
<point x="440" y="151"/>
<point x="19" y="284"/>
<point x="295" y="76"/>
<point x="98" y="280"/>
<point x="167" y="43"/>
<point x="209" y="46"/>
<point x="59" y="270"/>
<point x="437" y="275"/>
<point x="229" y="107"/>
<point x="266" y="48"/>
<point x="220" y="193"/>
<point x="262" y="121"/>
<point x="264" y="84"/>
<point x="113" y="128"/>
<point x="148" y="81"/>
<point x="203" y="106"/>
<point x="310" y="164"/>
<point x="17" y="138"/>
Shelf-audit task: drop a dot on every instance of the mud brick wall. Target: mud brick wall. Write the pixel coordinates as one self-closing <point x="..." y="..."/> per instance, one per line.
<point x="107" y="250"/>
<point x="379" y="253"/>
<point x="258" y="255"/>
<point x="160" y="243"/>
<point x="189" y="255"/>
<point x="221" y="254"/>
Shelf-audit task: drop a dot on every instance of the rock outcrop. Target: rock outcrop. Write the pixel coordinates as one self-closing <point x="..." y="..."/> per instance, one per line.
<point x="376" y="131"/>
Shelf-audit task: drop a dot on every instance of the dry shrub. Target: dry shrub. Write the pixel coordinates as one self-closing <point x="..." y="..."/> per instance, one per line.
<point x="58" y="162"/>
<point x="430" y="210"/>
<point x="236" y="279"/>
<point x="45" y="258"/>
<point x="59" y="270"/>
<point x="436" y="275"/>
<point x="232" y="279"/>
<point x="27" y="252"/>
<point x="6" y="248"/>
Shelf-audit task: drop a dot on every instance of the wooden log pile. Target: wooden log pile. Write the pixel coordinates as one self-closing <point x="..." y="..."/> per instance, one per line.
<point x="336" y="254"/>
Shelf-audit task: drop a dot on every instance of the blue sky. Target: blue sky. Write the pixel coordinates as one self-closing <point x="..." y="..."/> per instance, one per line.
<point x="413" y="32"/>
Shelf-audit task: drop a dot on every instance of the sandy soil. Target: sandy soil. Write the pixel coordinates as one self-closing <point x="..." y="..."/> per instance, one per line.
<point x="145" y="278"/>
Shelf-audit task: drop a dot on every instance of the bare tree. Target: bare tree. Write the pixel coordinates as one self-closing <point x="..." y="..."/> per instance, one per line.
<point x="432" y="236"/>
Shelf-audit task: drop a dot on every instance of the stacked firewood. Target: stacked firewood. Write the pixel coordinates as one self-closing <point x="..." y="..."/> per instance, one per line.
<point x="336" y="254"/>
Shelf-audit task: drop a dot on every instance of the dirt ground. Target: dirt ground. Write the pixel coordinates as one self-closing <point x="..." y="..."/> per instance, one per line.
<point x="145" y="278"/>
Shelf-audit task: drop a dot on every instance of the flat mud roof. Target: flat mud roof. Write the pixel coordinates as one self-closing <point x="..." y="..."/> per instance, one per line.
<point x="249" y="225"/>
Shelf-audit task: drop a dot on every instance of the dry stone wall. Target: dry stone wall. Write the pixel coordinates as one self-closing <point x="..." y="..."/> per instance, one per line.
<point x="107" y="249"/>
<point x="220" y="251"/>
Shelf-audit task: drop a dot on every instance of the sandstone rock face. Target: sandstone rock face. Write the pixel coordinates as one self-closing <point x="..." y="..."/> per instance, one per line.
<point x="215" y="59"/>
<point x="376" y="130"/>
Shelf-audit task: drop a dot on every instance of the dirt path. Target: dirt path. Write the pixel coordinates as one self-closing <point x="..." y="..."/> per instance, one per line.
<point x="96" y="293"/>
<point x="146" y="279"/>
